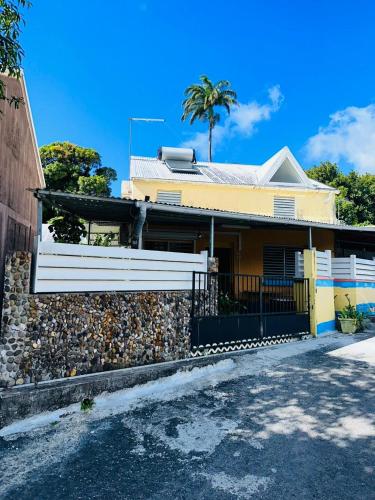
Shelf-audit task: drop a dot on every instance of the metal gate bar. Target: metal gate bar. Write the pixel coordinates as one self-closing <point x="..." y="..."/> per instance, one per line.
<point x="232" y="309"/>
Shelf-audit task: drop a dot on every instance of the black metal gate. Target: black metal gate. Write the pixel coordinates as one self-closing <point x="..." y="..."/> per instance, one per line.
<point x="235" y="311"/>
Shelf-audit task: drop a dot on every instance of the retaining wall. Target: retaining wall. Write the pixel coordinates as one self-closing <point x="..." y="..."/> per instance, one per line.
<point x="49" y="336"/>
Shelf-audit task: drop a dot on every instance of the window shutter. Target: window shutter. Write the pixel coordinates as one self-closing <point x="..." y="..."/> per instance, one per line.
<point x="170" y="197"/>
<point x="279" y="261"/>
<point x="284" y="206"/>
<point x="273" y="261"/>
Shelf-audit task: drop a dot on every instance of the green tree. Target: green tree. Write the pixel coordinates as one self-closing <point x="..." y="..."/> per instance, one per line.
<point x="202" y="100"/>
<point x="326" y="172"/>
<point x="11" y="52"/>
<point x="356" y="201"/>
<point x="73" y="169"/>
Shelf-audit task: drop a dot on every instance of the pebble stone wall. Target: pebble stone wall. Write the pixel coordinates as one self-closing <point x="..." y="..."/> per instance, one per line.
<point x="51" y="336"/>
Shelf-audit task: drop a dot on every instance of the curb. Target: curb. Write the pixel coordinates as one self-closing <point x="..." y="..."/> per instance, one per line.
<point x="24" y="401"/>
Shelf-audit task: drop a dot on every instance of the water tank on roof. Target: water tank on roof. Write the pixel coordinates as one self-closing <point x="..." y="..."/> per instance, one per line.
<point x="176" y="154"/>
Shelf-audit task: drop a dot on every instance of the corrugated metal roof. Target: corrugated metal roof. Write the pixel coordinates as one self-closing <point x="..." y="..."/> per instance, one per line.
<point x="218" y="173"/>
<point x="116" y="207"/>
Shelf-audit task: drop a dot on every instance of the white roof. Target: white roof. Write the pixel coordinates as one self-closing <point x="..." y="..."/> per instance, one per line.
<point x="226" y="173"/>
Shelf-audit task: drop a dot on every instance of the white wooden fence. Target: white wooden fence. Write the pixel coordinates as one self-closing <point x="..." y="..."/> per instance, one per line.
<point x="353" y="268"/>
<point x="299" y="265"/>
<point x="323" y="264"/>
<point x="64" y="267"/>
<point x="339" y="267"/>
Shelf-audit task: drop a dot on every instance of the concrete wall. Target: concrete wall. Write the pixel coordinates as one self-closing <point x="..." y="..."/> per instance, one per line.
<point x="328" y="296"/>
<point x="48" y="336"/>
<point x="322" y="308"/>
<point x="360" y="293"/>
<point x="311" y="204"/>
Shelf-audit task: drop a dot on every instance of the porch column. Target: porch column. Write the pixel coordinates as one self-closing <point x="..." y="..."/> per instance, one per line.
<point x="212" y="237"/>
<point x="39" y="227"/>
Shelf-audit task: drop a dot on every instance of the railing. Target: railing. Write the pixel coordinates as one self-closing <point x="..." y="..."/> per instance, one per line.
<point x="338" y="267"/>
<point x="353" y="268"/>
<point x="323" y="264"/>
<point x="223" y="294"/>
<point x="64" y="267"/>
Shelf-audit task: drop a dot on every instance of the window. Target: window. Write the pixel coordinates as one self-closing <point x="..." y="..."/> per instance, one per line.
<point x="170" y="197"/>
<point x="279" y="261"/>
<point x="284" y="206"/>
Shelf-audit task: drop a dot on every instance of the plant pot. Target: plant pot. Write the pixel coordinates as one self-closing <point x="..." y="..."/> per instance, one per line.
<point x="348" y="325"/>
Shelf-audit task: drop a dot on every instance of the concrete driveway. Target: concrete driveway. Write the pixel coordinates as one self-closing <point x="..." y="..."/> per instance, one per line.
<point x="293" y="422"/>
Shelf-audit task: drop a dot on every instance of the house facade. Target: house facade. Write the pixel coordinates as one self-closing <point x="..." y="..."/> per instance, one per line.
<point x="279" y="187"/>
<point x="279" y="191"/>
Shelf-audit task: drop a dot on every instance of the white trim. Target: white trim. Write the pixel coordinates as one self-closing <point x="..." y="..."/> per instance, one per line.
<point x="272" y="165"/>
<point x="273" y="185"/>
<point x="33" y="132"/>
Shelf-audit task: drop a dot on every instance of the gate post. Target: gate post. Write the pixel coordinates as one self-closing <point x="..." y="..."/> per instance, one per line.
<point x="310" y="272"/>
<point x="322" y="306"/>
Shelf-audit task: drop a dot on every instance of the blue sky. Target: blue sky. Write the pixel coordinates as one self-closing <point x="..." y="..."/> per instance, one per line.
<point x="304" y="73"/>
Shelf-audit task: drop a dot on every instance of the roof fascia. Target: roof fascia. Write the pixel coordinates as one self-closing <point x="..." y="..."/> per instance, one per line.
<point x="32" y="130"/>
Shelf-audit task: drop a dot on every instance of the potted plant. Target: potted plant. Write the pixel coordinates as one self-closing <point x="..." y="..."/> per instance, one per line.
<point x="350" y="319"/>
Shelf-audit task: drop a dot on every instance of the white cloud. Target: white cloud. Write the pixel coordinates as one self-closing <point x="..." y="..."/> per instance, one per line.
<point x="349" y="136"/>
<point x="241" y="122"/>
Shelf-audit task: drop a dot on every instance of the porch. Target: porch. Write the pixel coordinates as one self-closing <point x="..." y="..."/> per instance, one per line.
<point x="242" y="243"/>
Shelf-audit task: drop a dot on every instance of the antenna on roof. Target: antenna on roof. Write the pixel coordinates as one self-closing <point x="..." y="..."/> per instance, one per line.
<point x="131" y="120"/>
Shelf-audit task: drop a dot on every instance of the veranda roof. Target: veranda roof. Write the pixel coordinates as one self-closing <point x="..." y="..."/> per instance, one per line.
<point x="94" y="208"/>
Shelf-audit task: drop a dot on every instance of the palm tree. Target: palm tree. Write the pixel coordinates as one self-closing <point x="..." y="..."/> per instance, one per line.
<point x="202" y="100"/>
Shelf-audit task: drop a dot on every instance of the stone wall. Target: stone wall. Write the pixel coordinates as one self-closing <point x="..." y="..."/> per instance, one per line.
<point x="61" y="335"/>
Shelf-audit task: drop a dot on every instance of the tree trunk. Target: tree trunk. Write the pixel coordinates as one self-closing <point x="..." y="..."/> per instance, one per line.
<point x="210" y="142"/>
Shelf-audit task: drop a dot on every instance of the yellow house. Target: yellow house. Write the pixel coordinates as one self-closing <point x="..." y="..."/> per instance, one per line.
<point x="279" y="190"/>
<point x="257" y="220"/>
<point x="279" y="187"/>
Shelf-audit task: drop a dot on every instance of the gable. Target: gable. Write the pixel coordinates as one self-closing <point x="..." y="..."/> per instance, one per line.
<point x="284" y="169"/>
<point x="286" y="173"/>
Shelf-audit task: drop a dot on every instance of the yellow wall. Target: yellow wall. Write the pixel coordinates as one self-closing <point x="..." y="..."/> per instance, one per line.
<point x="247" y="245"/>
<point x="311" y="204"/>
<point x="322" y="306"/>
<point x="360" y="294"/>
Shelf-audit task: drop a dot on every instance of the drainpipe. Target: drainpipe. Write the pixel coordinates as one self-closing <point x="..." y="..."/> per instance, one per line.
<point x="137" y="239"/>
<point x="310" y="238"/>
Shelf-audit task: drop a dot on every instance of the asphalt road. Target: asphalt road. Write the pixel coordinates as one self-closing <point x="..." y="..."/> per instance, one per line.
<point x="291" y="422"/>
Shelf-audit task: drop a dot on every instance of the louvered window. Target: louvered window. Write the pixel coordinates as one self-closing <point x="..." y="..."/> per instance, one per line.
<point x="170" y="197"/>
<point x="279" y="261"/>
<point x="284" y="206"/>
